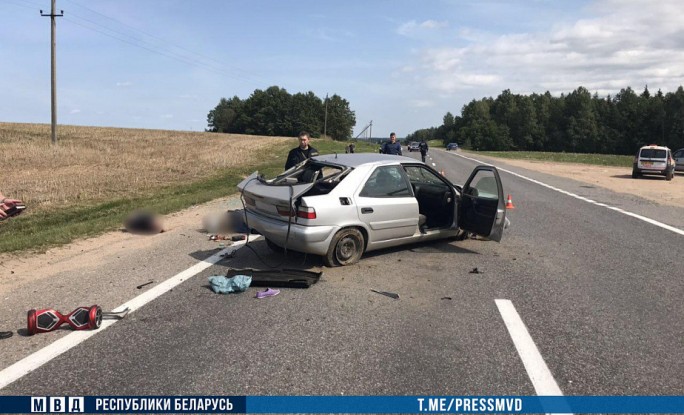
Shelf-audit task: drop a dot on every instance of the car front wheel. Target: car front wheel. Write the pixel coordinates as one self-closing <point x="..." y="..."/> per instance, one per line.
<point x="346" y="248"/>
<point x="635" y="174"/>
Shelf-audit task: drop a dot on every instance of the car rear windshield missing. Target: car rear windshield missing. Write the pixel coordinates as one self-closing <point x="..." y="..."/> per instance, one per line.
<point x="312" y="172"/>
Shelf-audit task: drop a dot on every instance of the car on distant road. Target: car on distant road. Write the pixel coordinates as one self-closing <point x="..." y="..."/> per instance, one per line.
<point x="653" y="159"/>
<point x="679" y="159"/>
<point x="413" y="146"/>
<point x="452" y="146"/>
<point x="341" y="206"/>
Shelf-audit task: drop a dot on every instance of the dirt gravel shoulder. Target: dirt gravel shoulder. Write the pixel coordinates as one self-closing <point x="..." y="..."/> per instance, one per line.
<point x="617" y="179"/>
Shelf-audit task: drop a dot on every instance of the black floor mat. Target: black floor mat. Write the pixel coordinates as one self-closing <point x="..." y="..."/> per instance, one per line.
<point x="289" y="278"/>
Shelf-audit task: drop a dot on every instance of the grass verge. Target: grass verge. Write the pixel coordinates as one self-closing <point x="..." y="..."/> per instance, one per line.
<point x="41" y="229"/>
<point x="595" y="159"/>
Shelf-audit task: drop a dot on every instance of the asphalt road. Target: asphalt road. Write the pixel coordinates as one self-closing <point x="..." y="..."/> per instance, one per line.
<point x="598" y="291"/>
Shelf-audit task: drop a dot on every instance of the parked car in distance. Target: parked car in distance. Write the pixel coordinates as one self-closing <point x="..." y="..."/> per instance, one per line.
<point x="679" y="159"/>
<point x="452" y="146"/>
<point x="413" y="146"/>
<point x="340" y="206"/>
<point x="653" y="159"/>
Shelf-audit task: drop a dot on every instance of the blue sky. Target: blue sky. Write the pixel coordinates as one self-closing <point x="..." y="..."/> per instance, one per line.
<point x="400" y="64"/>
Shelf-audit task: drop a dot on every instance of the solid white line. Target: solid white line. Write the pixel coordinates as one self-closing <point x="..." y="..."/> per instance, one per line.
<point x="539" y="373"/>
<point x="537" y="370"/>
<point x="593" y="202"/>
<point x="47" y="353"/>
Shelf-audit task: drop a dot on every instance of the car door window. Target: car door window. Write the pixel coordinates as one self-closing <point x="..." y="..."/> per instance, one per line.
<point x="386" y="181"/>
<point x="484" y="185"/>
<point x="418" y="174"/>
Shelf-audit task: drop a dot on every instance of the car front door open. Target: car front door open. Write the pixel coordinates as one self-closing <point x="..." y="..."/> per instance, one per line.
<point x="482" y="209"/>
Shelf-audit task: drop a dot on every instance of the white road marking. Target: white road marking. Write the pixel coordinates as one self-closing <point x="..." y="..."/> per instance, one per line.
<point x="537" y="370"/>
<point x="593" y="202"/>
<point x="47" y="353"/>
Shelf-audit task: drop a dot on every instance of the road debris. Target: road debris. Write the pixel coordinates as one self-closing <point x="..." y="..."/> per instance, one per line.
<point x="386" y="293"/>
<point x="142" y="285"/>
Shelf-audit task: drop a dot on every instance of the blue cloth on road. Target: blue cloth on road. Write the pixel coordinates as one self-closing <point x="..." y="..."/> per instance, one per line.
<point x="224" y="285"/>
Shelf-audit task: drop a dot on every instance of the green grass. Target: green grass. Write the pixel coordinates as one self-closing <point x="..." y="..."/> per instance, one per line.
<point x="38" y="231"/>
<point x="595" y="159"/>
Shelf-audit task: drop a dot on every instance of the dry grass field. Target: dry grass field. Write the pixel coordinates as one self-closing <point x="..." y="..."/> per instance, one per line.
<point x="90" y="165"/>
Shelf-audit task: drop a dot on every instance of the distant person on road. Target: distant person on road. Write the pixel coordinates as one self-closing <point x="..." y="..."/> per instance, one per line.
<point x="392" y="147"/>
<point x="9" y="207"/>
<point x="423" y="146"/>
<point x="301" y="153"/>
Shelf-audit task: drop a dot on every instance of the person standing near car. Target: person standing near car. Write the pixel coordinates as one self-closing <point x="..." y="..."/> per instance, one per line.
<point x="392" y="147"/>
<point x="301" y="153"/>
<point x="423" y="146"/>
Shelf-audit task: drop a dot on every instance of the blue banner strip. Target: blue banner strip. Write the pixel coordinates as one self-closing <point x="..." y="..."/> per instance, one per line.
<point x="343" y="404"/>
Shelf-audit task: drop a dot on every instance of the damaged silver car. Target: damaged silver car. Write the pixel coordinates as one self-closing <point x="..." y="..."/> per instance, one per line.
<point x="340" y="206"/>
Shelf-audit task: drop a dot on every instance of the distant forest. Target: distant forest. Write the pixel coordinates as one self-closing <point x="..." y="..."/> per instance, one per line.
<point x="577" y="122"/>
<point x="275" y="112"/>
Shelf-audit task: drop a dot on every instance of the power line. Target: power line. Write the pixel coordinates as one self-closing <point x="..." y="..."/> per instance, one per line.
<point x="138" y="42"/>
<point x="141" y="45"/>
<point x="23" y="5"/>
<point x="158" y="38"/>
<point x="170" y="55"/>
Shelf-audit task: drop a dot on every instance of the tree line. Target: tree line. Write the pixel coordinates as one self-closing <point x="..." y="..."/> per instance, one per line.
<point x="577" y="122"/>
<point x="275" y="112"/>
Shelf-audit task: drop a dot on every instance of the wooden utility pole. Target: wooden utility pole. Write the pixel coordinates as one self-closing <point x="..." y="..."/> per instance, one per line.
<point x="54" y="69"/>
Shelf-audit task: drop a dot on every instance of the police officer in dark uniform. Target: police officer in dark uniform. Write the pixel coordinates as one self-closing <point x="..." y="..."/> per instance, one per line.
<point x="423" y="146"/>
<point x="301" y="153"/>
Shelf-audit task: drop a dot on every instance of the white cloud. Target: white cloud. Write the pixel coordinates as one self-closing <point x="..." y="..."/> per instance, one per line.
<point x="412" y="28"/>
<point x="628" y="44"/>
<point x="125" y="83"/>
<point x="330" y="34"/>
<point x="74" y="111"/>
<point x="167" y="116"/>
<point x="421" y="103"/>
<point x="432" y="24"/>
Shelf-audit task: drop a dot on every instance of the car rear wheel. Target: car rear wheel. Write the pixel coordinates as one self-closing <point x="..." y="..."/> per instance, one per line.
<point x="346" y="248"/>
<point x="669" y="175"/>
<point x="635" y="174"/>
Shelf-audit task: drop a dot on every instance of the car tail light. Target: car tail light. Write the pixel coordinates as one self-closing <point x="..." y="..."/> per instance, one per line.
<point x="250" y="201"/>
<point x="306" y="212"/>
<point x="284" y="211"/>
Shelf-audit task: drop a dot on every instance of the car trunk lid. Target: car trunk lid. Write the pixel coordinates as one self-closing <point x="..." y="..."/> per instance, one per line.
<point x="270" y="199"/>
